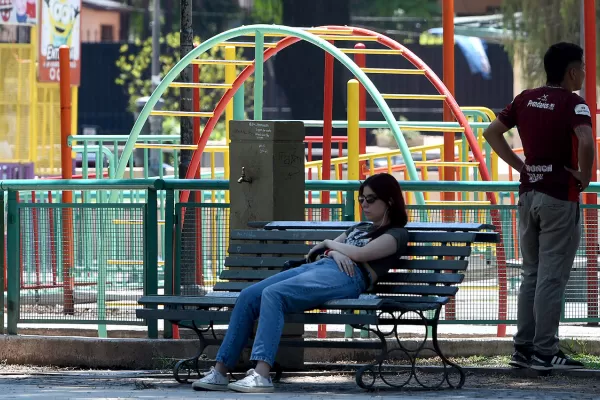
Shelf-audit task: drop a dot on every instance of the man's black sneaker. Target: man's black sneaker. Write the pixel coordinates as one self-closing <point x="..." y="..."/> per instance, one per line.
<point x="559" y="360"/>
<point x="520" y="360"/>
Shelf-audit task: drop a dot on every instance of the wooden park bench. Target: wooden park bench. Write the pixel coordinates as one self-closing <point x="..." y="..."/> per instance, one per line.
<point x="414" y="293"/>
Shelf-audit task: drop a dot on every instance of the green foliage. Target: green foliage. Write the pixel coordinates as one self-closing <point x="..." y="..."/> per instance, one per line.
<point x="135" y="63"/>
<point x="388" y="8"/>
<point x="542" y="23"/>
<point x="271" y="11"/>
<point x="267" y="12"/>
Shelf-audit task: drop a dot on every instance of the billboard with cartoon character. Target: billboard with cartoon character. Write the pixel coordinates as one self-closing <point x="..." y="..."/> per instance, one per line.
<point x="60" y="25"/>
<point x="18" y="12"/>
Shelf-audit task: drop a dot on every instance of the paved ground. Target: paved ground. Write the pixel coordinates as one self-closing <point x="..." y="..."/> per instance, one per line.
<point x="130" y="385"/>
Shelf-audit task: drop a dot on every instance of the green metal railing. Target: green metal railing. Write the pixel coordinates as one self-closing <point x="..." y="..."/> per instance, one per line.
<point x="126" y="249"/>
<point x="95" y="287"/>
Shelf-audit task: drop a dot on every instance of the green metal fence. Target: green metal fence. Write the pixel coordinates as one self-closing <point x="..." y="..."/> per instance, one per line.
<point x="78" y="263"/>
<point x="124" y="250"/>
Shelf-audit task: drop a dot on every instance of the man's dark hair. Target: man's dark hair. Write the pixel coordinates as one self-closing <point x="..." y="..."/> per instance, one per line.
<point x="557" y="59"/>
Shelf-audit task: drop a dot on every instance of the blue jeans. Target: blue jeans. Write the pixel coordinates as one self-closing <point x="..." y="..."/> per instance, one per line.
<point x="292" y="291"/>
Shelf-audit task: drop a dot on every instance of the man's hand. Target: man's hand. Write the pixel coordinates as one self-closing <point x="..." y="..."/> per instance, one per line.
<point x="494" y="134"/>
<point x="582" y="178"/>
<point x="585" y="155"/>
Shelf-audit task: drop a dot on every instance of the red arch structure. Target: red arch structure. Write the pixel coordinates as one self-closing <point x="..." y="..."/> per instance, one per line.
<point x="439" y="86"/>
<point x="381" y="39"/>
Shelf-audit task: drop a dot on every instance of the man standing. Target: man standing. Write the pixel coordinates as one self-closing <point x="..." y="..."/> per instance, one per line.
<point x="555" y="127"/>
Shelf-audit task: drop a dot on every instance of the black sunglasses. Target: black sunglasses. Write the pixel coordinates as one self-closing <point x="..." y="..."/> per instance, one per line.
<point x="368" y="199"/>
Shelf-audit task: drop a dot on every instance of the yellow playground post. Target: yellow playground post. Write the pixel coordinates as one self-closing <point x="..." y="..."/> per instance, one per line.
<point x="29" y="110"/>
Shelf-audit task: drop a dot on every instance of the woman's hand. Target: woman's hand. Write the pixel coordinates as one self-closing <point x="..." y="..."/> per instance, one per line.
<point x="344" y="263"/>
<point x="316" y="249"/>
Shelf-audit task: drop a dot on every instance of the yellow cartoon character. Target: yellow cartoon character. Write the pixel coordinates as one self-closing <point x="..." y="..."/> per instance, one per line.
<point x="62" y="20"/>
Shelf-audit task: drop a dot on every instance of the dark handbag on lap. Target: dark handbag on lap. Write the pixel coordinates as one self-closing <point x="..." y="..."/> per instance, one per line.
<point x="298" y="262"/>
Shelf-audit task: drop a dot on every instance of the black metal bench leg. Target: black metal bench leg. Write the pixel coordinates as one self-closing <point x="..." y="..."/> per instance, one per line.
<point x="397" y="376"/>
<point x="183" y="370"/>
<point x="447" y="362"/>
<point x="278" y="372"/>
<point x="367" y="374"/>
<point x="400" y="377"/>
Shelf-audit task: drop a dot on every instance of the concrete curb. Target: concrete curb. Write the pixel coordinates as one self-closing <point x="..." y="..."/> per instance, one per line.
<point x="313" y="370"/>
<point x="146" y="354"/>
<point x="351" y="368"/>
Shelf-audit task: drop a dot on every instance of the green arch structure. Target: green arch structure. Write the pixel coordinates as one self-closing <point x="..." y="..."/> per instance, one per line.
<point x="266" y="29"/>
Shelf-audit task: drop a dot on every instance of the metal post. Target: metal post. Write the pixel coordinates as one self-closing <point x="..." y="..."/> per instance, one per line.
<point x="327" y="130"/>
<point x="361" y="61"/>
<point x="187" y="45"/>
<point x="151" y="255"/>
<point x="2" y="253"/>
<point x="169" y="225"/>
<point x="448" y="70"/>
<point x="258" y="75"/>
<point x="105" y="216"/>
<point x="13" y="265"/>
<point x="67" y="173"/>
<point x="591" y="215"/>
<point x="230" y="75"/>
<point x="155" y="161"/>
<point x="353" y="139"/>
<point x="239" y="111"/>
<point x="448" y="156"/>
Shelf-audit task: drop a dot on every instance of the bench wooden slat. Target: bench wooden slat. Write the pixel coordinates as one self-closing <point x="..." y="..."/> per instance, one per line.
<point x="215" y="300"/>
<point x="187" y="300"/>
<point x="437" y="226"/>
<point x="248" y="274"/>
<point x="303" y="249"/>
<point x="391" y="300"/>
<point x="422" y="277"/>
<point x="317" y="236"/>
<point x="351" y="304"/>
<point x="223" y="317"/>
<point x="439" y="251"/>
<point x="277" y="262"/>
<point x="231" y="286"/>
<point x="441" y="237"/>
<point x="292" y="236"/>
<point x="425" y="290"/>
<point x="435" y="265"/>
<point x="487" y="237"/>
<point x="255" y="262"/>
<point x="260" y="248"/>
<point x="392" y="277"/>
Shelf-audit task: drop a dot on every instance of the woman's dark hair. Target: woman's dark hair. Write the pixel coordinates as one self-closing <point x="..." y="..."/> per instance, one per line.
<point x="558" y="58"/>
<point x="387" y="188"/>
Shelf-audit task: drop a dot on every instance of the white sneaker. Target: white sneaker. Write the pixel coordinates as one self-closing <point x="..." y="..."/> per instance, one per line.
<point x="253" y="383"/>
<point x="213" y="380"/>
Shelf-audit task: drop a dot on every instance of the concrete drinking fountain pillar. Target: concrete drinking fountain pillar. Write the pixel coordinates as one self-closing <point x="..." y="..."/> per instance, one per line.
<point x="267" y="184"/>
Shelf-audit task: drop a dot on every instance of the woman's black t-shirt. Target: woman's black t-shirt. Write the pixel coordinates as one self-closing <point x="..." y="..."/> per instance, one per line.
<point x="358" y="235"/>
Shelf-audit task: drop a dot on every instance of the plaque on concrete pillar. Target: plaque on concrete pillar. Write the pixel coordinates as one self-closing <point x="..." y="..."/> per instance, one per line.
<point x="267" y="172"/>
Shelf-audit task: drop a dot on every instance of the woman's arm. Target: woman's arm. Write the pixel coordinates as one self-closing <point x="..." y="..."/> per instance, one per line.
<point x="321" y="245"/>
<point x="341" y="238"/>
<point x="385" y="245"/>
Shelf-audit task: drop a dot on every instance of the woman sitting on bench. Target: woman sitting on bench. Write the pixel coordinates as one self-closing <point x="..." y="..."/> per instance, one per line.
<point x="345" y="268"/>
